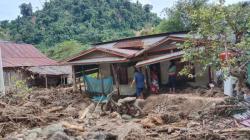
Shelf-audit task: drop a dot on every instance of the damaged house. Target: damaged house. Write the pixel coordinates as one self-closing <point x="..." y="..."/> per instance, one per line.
<point x="117" y="59"/>
<point x="23" y="62"/>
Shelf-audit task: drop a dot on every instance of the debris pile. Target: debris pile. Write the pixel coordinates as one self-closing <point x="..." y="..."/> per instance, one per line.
<point x="62" y="114"/>
<point x="39" y="108"/>
<point x="193" y="117"/>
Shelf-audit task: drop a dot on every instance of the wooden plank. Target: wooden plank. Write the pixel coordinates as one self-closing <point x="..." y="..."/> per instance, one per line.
<point x="46" y="81"/>
<point x="74" y="78"/>
<point x="116" y="79"/>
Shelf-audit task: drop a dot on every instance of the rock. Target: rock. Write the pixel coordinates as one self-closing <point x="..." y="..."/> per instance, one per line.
<point x="115" y="115"/>
<point x="36" y="130"/>
<point x="101" y="136"/>
<point x="31" y="136"/>
<point x="59" y="136"/>
<point x="152" y="121"/>
<point x="126" y="117"/>
<point x="157" y="120"/>
<point x="52" y="129"/>
<point x="147" y="123"/>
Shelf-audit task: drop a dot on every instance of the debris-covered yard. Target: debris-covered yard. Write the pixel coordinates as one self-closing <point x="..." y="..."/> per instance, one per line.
<point x="62" y="114"/>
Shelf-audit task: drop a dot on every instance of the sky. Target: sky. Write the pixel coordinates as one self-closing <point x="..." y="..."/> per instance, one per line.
<point x="10" y="8"/>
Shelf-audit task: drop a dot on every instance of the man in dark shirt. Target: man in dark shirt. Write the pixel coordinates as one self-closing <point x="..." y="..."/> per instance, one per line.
<point x="139" y="81"/>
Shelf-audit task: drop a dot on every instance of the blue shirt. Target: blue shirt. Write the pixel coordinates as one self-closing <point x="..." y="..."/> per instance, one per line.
<point x="139" y="80"/>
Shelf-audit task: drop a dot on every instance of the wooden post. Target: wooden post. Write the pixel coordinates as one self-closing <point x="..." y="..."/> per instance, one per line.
<point x="116" y="79"/>
<point x="46" y="82"/>
<point x="2" y="86"/>
<point x="210" y="74"/>
<point x="85" y="88"/>
<point x="74" y="78"/>
<point x="148" y="80"/>
<point x="99" y="71"/>
<point x="102" y="82"/>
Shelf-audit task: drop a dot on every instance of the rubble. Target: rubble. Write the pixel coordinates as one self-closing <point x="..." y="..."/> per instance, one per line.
<point x="39" y="108"/>
<point x="62" y="114"/>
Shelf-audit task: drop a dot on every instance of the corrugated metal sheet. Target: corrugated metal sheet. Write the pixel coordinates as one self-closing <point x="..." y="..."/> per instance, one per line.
<point x="135" y="44"/>
<point x="16" y="55"/>
<point x="160" y="58"/>
<point x="99" y="60"/>
<point x="150" y="41"/>
<point x="124" y="47"/>
<point x="51" y="70"/>
<point x="127" y="52"/>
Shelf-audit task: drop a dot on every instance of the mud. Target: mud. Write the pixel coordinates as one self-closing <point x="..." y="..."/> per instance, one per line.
<point x="62" y="114"/>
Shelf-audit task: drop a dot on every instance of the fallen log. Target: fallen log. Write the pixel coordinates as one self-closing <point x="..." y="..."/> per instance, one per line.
<point x="54" y="109"/>
<point x="83" y="114"/>
<point x="74" y="127"/>
<point x="242" y="129"/>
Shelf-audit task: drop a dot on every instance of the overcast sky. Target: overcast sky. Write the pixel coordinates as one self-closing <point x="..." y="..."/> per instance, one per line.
<point x="10" y="8"/>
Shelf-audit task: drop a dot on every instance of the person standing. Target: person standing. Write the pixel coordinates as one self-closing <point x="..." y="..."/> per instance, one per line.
<point x="139" y="81"/>
<point x="154" y="81"/>
<point x="172" y="76"/>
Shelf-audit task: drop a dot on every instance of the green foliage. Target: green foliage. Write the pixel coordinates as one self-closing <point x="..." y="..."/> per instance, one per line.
<point x="219" y="28"/>
<point x="170" y="25"/>
<point x="22" y="90"/>
<point x="65" y="49"/>
<point x="4" y="35"/>
<point x="26" y="9"/>
<point x="86" y="21"/>
<point x="177" y="17"/>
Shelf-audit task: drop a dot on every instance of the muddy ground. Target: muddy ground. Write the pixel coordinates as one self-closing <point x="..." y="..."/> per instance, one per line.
<point x="61" y="114"/>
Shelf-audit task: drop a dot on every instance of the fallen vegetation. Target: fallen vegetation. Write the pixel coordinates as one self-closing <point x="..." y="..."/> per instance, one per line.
<point x="62" y="114"/>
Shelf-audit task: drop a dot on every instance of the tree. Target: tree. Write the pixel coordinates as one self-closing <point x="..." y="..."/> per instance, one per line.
<point x="219" y="28"/>
<point x="177" y="17"/>
<point x="65" y="49"/>
<point x="26" y="9"/>
<point x="147" y="7"/>
<point x="4" y="35"/>
<point x="87" y="21"/>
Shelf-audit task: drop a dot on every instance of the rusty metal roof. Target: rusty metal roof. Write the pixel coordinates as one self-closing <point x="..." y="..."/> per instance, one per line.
<point x="129" y="44"/>
<point x="18" y="55"/>
<point x="160" y="58"/>
<point x="51" y="70"/>
<point x="129" y="47"/>
<point x="99" y="60"/>
<point x="144" y="37"/>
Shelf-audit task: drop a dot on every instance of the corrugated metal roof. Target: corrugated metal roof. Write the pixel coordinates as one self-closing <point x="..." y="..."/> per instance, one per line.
<point x="146" y="42"/>
<point x="99" y="60"/>
<point x="51" y="70"/>
<point x="127" y="52"/>
<point x="143" y="37"/>
<point x="150" y="41"/>
<point x="160" y="58"/>
<point x="135" y="44"/>
<point x="117" y="46"/>
<point x="16" y="55"/>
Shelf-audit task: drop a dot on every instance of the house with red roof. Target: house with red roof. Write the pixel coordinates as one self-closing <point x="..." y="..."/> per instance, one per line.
<point x="23" y="62"/>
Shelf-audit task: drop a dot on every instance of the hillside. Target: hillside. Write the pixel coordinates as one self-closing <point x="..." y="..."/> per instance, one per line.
<point x="84" y="21"/>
